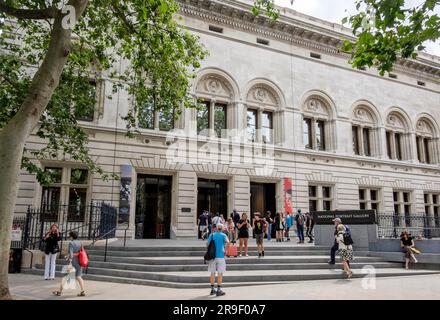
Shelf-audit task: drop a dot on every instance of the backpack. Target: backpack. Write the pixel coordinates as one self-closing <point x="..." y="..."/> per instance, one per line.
<point x="300" y="219"/>
<point x="210" y="252"/>
<point x="347" y="237"/>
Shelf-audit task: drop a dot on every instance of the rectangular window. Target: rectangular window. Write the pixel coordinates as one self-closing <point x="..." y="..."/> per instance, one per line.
<point x="389" y="135"/>
<point x="77" y="204"/>
<point x="354" y="132"/>
<point x="166" y="120"/>
<point x="252" y="124"/>
<point x="366" y="140"/>
<point x="320" y="135"/>
<point x="307" y="134"/>
<point x="263" y="41"/>
<point x="315" y="55"/>
<point x="313" y="198"/>
<point x="369" y="199"/>
<point x="398" y="137"/>
<point x="419" y="150"/>
<point x="267" y="127"/>
<point x="85" y="107"/>
<point x="50" y="202"/>
<point x="220" y="120"/>
<point x="426" y="149"/>
<point x="327" y="199"/>
<point x="146" y="116"/>
<point x="203" y="118"/>
<point x="312" y="191"/>
<point x="215" y="29"/>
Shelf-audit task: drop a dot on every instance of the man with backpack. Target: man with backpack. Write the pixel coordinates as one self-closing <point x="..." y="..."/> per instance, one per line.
<point x="216" y="258"/>
<point x="337" y="222"/>
<point x="310" y="223"/>
<point x="300" y="220"/>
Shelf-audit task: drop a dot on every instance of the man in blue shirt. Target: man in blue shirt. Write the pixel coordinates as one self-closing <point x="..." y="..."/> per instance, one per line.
<point x="289" y="224"/>
<point x="218" y="265"/>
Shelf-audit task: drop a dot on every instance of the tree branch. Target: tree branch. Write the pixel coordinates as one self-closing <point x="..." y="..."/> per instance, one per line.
<point x="29" y="14"/>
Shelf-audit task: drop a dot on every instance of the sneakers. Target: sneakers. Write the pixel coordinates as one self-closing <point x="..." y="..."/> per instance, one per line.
<point x="220" y="292"/>
<point x="331" y="262"/>
<point x="262" y="254"/>
<point x="213" y="292"/>
<point x="259" y="255"/>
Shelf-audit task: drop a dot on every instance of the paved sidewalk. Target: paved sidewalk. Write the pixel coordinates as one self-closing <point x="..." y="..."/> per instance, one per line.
<point x="414" y="287"/>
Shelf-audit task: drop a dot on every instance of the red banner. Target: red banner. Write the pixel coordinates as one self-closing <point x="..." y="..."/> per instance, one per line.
<point x="288" y="195"/>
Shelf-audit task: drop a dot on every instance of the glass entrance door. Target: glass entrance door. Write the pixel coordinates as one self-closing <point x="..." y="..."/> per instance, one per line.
<point x="212" y="196"/>
<point x="153" y="207"/>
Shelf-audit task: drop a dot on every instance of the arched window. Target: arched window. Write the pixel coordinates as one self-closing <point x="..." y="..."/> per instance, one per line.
<point x="426" y="138"/>
<point x="262" y="114"/>
<point x="215" y="94"/>
<point x="397" y="136"/>
<point x="365" y="132"/>
<point x="318" y="124"/>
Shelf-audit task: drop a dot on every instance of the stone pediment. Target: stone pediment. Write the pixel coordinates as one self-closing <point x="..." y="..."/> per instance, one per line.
<point x="363" y="115"/>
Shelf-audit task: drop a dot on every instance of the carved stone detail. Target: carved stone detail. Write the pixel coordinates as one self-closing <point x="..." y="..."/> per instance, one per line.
<point x="394" y="120"/>
<point x="317" y="107"/>
<point x="214" y="85"/>
<point x="363" y="115"/>
<point x="263" y="95"/>
<point x="424" y="127"/>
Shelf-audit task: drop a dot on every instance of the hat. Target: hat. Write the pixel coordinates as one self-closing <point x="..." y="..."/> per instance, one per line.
<point x="337" y="220"/>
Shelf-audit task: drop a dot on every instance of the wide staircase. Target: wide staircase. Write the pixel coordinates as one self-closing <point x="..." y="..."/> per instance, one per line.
<point x="180" y="265"/>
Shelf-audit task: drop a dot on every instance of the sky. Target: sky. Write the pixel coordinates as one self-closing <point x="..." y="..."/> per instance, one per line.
<point x="335" y="10"/>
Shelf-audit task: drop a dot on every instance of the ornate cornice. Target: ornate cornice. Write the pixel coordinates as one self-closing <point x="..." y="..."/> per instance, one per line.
<point x="295" y="31"/>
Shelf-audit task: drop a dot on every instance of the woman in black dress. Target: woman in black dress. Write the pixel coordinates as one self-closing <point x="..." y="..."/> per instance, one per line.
<point x="51" y="238"/>
<point x="243" y="234"/>
<point x="406" y="243"/>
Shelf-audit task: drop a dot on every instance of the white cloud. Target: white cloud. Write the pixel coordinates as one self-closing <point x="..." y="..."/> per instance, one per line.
<point x="336" y="10"/>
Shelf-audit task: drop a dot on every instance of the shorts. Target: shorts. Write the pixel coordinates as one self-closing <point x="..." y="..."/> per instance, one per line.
<point x="217" y="265"/>
<point x="77" y="266"/>
<point x="203" y="228"/>
<point x="259" y="237"/>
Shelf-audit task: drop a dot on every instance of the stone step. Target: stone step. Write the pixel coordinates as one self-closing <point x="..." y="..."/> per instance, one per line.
<point x="242" y="260"/>
<point x="273" y="246"/>
<point x="268" y="252"/>
<point x="257" y="266"/>
<point x="198" y="279"/>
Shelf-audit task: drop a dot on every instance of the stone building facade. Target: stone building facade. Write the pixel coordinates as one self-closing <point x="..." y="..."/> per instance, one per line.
<point x="294" y="110"/>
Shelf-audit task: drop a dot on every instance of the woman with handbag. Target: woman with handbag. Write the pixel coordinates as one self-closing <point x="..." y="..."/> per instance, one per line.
<point x="76" y="252"/>
<point x="51" y="251"/>
<point x="407" y="244"/>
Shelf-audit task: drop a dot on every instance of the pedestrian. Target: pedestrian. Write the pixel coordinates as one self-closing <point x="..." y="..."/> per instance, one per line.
<point x="279" y="227"/>
<point x="289" y="224"/>
<point x="73" y="252"/>
<point x="230" y="230"/>
<point x="407" y="243"/>
<point x="345" y="250"/>
<point x="209" y="221"/>
<point x="217" y="219"/>
<point x="243" y="234"/>
<point x="334" y="248"/>
<point x="269" y="222"/>
<point x="310" y="224"/>
<point x="236" y="219"/>
<point x="300" y="221"/>
<point x="260" y="229"/>
<point x="51" y="251"/>
<point x="203" y="224"/>
<point x="217" y="266"/>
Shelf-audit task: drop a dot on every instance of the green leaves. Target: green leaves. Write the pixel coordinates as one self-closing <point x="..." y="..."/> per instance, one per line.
<point x="266" y="6"/>
<point x="396" y="32"/>
<point x="159" y="59"/>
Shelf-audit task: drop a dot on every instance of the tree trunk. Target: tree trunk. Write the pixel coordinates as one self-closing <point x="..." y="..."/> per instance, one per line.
<point x="14" y="135"/>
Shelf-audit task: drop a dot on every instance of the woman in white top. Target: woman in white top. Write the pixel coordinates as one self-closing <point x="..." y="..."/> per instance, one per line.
<point x="346" y="251"/>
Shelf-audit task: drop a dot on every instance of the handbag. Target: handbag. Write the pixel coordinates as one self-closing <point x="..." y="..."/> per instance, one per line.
<point x="83" y="258"/>
<point x="416" y="251"/>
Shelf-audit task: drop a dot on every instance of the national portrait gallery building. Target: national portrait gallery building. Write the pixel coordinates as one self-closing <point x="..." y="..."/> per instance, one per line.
<point x="285" y="122"/>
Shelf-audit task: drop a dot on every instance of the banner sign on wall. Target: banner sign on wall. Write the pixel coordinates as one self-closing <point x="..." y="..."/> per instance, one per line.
<point x="125" y="193"/>
<point x="288" y="195"/>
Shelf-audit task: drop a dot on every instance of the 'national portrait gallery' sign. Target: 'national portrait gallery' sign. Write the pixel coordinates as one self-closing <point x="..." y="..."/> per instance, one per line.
<point x="347" y="217"/>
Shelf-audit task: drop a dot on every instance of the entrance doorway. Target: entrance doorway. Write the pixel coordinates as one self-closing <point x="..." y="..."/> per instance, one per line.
<point x="212" y="196"/>
<point x="263" y="198"/>
<point x="153" y="207"/>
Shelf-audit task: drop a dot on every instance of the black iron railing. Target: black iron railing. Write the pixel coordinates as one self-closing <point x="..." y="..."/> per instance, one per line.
<point x="418" y="225"/>
<point x="91" y="222"/>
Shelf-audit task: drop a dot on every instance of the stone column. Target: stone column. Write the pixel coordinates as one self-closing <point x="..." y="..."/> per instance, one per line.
<point x="411" y="149"/>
